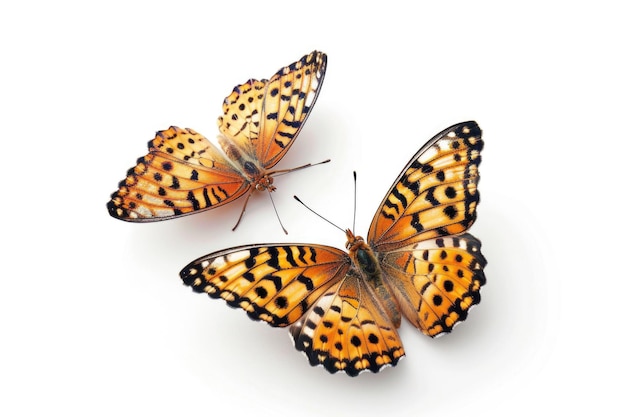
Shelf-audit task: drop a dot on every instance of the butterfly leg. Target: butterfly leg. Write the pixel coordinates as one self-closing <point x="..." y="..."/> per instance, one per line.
<point x="264" y="183"/>
<point x="243" y="210"/>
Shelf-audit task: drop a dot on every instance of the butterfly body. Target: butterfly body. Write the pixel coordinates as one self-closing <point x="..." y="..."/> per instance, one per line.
<point x="418" y="261"/>
<point x="364" y="260"/>
<point x="256" y="177"/>
<point x="184" y="173"/>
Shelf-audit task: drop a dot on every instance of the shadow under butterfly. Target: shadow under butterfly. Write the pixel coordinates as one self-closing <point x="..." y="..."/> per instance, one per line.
<point x="418" y="262"/>
<point x="184" y="173"/>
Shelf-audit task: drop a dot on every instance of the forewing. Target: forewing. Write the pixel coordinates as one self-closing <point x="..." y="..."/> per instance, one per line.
<point x="241" y="120"/>
<point x="347" y="330"/>
<point x="182" y="173"/>
<point x="436" y="281"/>
<point x="274" y="283"/>
<point x="264" y="117"/>
<point x="435" y="195"/>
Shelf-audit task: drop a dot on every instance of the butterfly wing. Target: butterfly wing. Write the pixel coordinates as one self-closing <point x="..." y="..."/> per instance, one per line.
<point x="433" y="267"/>
<point x="436" y="281"/>
<point x="347" y="330"/>
<point x="263" y="118"/>
<point x="274" y="283"/>
<point x="435" y="195"/>
<point x="183" y="173"/>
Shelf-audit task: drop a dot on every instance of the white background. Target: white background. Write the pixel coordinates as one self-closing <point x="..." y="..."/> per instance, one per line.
<point x="94" y="319"/>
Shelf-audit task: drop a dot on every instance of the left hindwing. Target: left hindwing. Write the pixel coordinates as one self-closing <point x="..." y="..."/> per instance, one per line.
<point x="435" y="195"/>
<point x="274" y="283"/>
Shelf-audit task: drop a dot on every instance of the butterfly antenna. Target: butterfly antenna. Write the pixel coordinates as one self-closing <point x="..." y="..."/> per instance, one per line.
<point x="277" y="216"/>
<point x="316" y="213"/>
<point x="285" y="171"/>
<point x="354" y="210"/>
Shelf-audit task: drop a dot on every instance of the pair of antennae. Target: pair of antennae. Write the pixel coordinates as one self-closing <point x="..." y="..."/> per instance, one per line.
<point x="324" y="218"/>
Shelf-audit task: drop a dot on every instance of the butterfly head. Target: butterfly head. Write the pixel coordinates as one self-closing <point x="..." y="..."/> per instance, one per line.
<point x="354" y="242"/>
<point x="361" y="254"/>
<point x="266" y="182"/>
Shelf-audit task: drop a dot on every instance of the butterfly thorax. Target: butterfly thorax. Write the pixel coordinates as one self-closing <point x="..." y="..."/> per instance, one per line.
<point x="368" y="266"/>
<point x="246" y="165"/>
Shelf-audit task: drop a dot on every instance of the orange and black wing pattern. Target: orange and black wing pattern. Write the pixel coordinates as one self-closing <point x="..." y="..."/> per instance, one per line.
<point x="264" y="117"/>
<point x="433" y="266"/>
<point x="274" y="283"/>
<point x="435" y="195"/>
<point x="347" y="330"/>
<point x="183" y="173"/>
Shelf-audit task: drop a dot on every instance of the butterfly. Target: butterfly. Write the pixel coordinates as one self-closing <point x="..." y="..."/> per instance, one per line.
<point x="184" y="173"/>
<point x="344" y="309"/>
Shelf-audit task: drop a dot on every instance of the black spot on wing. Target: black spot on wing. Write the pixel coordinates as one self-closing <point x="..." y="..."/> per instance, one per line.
<point x="273" y="261"/>
<point x="194" y="202"/>
<point x="290" y="257"/>
<point x="397" y="194"/>
<point x="430" y="197"/>
<point x="308" y="282"/>
<point x="251" y="261"/>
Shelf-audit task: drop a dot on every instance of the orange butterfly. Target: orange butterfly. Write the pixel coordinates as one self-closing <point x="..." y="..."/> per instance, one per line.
<point x="184" y="173"/>
<point x="344" y="308"/>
